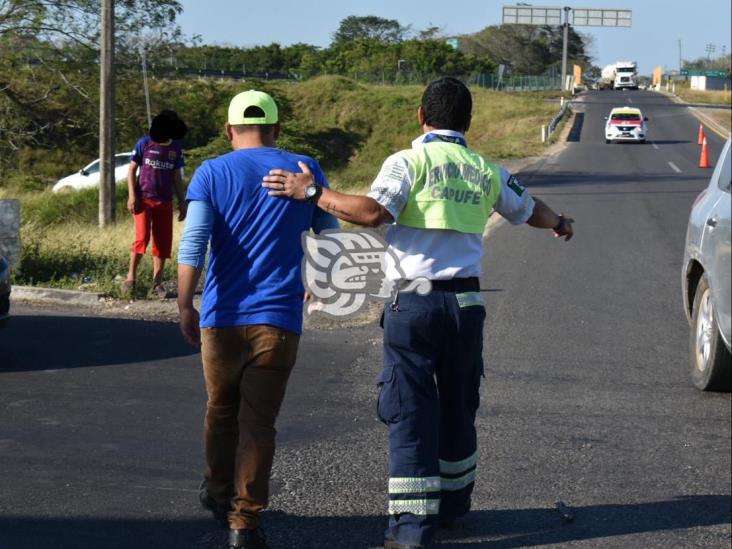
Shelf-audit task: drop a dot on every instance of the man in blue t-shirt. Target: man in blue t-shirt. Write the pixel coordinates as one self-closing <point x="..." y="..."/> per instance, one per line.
<point x="251" y="311"/>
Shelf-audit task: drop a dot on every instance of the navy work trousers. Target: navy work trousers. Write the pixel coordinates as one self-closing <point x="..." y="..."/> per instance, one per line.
<point x="428" y="397"/>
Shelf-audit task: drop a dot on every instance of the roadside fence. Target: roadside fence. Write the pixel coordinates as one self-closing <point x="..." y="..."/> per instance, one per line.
<point x="390" y="77"/>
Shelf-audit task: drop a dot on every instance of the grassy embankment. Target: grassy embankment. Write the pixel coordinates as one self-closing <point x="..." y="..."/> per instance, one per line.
<point x="350" y="128"/>
<point x="715" y="97"/>
<point x="712" y="97"/>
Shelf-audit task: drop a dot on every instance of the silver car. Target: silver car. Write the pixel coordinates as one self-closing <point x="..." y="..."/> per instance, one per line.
<point x="706" y="281"/>
<point x="4" y="291"/>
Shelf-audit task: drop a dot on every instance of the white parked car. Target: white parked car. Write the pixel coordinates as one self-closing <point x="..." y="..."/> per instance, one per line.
<point x="707" y="280"/>
<point x="88" y="176"/>
<point x="626" y="124"/>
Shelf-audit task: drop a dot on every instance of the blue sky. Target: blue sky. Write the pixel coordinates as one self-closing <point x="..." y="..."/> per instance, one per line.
<point x="653" y="39"/>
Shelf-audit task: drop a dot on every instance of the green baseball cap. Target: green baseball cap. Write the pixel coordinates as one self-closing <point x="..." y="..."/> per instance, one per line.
<point x="252" y="98"/>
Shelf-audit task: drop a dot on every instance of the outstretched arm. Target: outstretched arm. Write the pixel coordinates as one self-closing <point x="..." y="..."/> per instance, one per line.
<point x="356" y="209"/>
<point x="545" y="218"/>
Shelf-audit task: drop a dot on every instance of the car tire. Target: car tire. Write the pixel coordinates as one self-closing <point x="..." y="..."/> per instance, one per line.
<point x="711" y="362"/>
<point x="607" y="142"/>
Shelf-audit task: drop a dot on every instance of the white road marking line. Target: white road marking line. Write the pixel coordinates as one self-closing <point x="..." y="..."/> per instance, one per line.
<point x="674" y="167"/>
<point x="655" y="146"/>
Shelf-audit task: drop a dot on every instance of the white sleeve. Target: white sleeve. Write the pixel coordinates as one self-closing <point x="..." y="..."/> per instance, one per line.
<point x="514" y="203"/>
<point x="393" y="184"/>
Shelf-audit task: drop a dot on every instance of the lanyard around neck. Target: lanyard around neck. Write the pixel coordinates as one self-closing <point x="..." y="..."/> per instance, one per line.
<point x="456" y="139"/>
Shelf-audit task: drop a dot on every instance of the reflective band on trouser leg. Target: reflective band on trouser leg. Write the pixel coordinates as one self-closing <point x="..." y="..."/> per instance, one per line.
<point x="414" y="506"/>
<point x="454" y="484"/>
<point x="418" y="488"/>
<point x="453" y="467"/>
<point x="456" y="475"/>
<point x="414" y="485"/>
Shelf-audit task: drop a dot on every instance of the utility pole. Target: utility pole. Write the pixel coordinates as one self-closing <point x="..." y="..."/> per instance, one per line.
<point x="710" y="49"/>
<point x="106" y="118"/>
<point x="565" y="35"/>
<point x="680" y="58"/>
<point x="145" y="85"/>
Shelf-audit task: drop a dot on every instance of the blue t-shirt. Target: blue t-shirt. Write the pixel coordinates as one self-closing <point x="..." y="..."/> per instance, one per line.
<point x="253" y="274"/>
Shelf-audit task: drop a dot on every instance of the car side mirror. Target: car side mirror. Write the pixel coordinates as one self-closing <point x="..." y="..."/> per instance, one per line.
<point x="645" y="118"/>
<point x="82" y="171"/>
<point x="606" y="118"/>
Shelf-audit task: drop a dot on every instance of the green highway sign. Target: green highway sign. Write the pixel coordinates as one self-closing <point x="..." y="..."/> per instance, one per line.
<point x="703" y="72"/>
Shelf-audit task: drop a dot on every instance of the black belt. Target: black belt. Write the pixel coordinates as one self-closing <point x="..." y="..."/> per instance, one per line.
<point x="457" y="285"/>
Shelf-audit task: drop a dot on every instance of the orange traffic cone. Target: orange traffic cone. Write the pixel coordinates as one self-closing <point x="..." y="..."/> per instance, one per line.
<point x="700" y="138"/>
<point x="704" y="158"/>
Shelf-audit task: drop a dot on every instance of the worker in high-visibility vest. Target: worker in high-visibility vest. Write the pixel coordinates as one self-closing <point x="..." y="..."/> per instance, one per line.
<point x="438" y="196"/>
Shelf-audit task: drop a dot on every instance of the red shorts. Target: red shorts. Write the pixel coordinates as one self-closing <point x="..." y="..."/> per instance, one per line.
<point x="157" y="218"/>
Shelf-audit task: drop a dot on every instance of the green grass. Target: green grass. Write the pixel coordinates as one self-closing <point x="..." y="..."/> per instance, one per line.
<point x="348" y="127"/>
<point x="715" y="97"/>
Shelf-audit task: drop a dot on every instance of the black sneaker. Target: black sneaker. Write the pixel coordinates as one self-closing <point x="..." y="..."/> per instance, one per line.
<point x="247" y="538"/>
<point x="393" y="544"/>
<point x="219" y="510"/>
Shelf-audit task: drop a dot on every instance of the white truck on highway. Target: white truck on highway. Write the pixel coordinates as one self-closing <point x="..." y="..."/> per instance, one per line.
<point x="620" y="75"/>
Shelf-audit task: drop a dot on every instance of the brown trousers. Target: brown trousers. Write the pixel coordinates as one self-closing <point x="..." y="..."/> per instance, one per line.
<point x="246" y="370"/>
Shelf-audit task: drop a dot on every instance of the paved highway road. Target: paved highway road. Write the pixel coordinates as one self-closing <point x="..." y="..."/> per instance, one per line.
<point x="586" y="398"/>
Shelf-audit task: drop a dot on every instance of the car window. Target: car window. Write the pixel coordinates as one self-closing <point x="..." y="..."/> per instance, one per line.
<point x="121" y="160"/>
<point x="725" y="174"/>
<point x="625" y="116"/>
<point x="93" y="167"/>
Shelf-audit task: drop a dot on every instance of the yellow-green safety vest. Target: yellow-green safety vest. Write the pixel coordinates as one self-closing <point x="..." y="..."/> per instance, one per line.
<point x="453" y="188"/>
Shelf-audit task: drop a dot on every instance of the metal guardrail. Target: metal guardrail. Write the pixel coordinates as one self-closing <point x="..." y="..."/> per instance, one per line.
<point x="558" y="117"/>
<point x="548" y="130"/>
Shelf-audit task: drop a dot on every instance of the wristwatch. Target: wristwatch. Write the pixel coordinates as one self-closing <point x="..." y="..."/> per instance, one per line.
<point x="559" y="225"/>
<point x="312" y="192"/>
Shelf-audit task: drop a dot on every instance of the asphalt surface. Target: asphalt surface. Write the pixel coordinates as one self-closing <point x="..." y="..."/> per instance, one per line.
<point x="586" y="398"/>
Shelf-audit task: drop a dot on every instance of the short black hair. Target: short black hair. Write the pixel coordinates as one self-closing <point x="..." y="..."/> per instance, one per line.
<point x="261" y="128"/>
<point x="447" y="104"/>
<point x="253" y="112"/>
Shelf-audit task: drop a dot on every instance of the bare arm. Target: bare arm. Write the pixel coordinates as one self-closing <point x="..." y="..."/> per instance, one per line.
<point x="180" y="194"/>
<point x="132" y="187"/>
<point x="188" y="277"/>
<point x="545" y="218"/>
<point x="356" y="209"/>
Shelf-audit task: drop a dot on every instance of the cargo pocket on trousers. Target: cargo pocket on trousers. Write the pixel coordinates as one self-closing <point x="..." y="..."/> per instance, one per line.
<point x="388" y="404"/>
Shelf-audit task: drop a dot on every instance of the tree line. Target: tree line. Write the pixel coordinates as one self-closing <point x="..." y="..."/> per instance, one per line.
<point x="49" y="75"/>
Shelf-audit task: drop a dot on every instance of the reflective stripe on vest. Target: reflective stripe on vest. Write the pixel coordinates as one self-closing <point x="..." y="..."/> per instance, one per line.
<point x="453" y="188"/>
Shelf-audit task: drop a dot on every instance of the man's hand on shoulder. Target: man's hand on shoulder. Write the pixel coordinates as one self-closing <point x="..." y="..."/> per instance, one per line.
<point x="289" y="184"/>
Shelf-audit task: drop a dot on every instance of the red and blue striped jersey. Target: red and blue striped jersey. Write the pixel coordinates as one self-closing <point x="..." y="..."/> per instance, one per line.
<point x="157" y="164"/>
